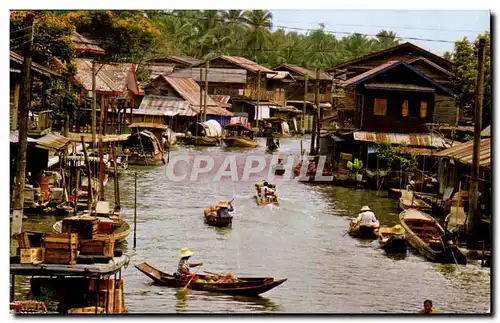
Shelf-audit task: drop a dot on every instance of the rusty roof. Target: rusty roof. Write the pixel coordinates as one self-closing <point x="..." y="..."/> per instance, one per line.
<point x="186" y="60"/>
<point x="222" y="100"/>
<point x="245" y="63"/>
<point x="421" y="140"/>
<point x="188" y="89"/>
<point x="215" y="75"/>
<point x="150" y="125"/>
<point x="366" y="74"/>
<point x="111" y="78"/>
<point x="305" y="71"/>
<point x="158" y="69"/>
<point x="392" y="49"/>
<point x="85" y="45"/>
<point x="52" y="141"/>
<point x="464" y="152"/>
<point x="15" y="57"/>
<point x="218" y="111"/>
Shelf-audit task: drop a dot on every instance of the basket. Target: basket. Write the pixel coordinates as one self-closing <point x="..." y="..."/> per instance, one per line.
<point x="28" y="307"/>
<point x="86" y="310"/>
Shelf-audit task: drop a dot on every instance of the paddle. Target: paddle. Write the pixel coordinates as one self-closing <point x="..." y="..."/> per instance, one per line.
<point x="189" y="282"/>
<point x="455" y="259"/>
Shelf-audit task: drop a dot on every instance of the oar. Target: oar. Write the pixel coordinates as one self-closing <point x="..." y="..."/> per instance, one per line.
<point x="455" y="259"/>
<point x="189" y="282"/>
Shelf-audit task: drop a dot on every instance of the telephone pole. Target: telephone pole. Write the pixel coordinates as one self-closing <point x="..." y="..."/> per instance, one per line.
<point x="306" y="78"/>
<point x="258" y="99"/>
<point x="474" y="217"/>
<point x="94" y="104"/>
<point x="17" y="216"/>
<point x="206" y="92"/>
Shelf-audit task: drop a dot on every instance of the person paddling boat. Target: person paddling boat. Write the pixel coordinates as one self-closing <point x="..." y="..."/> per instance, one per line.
<point x="184" y="265"/>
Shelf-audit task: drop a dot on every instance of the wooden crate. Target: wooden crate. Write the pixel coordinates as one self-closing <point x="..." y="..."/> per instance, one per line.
<point x="60" y="256"/>
<point x="105" y="226"/>
<point x="106" y="293"/>
<point x="86" y="228"/>
<point x="119" y="306"/>
<point x="27" y="239"/>
<point x="65" y="241"/>
<point x="32" y="255"/>
<point x="97" y="247"/>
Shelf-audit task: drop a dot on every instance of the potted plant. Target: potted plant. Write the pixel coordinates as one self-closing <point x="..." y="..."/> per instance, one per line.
<point x="354" y="168"/>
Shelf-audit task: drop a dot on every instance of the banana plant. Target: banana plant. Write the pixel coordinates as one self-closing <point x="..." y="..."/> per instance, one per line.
<point x="354" y="167"/>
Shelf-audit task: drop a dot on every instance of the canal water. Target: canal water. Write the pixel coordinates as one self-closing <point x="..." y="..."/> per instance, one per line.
<point x="302" y="240"/>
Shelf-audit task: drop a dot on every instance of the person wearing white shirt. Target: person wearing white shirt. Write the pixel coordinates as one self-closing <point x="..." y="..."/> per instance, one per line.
<point x="366" y="217"/>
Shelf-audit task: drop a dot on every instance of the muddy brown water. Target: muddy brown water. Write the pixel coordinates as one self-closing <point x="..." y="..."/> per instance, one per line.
<point x="301" y="240"/>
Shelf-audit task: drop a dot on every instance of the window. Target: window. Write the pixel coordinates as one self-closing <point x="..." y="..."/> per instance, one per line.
<point x="423" y="109"/>
<point x="380" y="107"/>
<point x="404" y="110"/>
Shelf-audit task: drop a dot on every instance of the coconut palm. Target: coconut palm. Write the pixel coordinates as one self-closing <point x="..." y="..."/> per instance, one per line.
<point x="259" y="34"/>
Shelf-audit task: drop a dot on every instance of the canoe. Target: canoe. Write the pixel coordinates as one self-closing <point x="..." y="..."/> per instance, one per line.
<point x="363" y="231"/>
<point x="240" y="142"/>
<point x="390" y="242"/>
<point x="249" y="286"/>
<point x="272" y="144"/>
<point x="200" y="141"/>
<point x="121" y="230"/>
<point x="218" y="221"/>
<point x="260" y="202"/>
<point x="409" y="201"/>
<point x="422" y="231"/>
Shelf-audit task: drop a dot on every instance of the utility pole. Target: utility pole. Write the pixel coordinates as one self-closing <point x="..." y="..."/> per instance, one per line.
<point x="101" y="152"/>
<point x="258" y="99"/>
<point x="206" y="92"/>
<point x="312" y="149"/>
<point x="17" y="216"/>
<point x="318" y="118"/>
<point x="306" y="79"/>
<point x="94" y="104"/>
<point x="198" y="118"/>
<point x="474" y="217"/>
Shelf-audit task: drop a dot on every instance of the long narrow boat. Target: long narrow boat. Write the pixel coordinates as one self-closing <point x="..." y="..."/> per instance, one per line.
<point x="211" y="218"/>
<point x="249" y="286"/>
<point x="260" y="202"/>
<point x="409" y="200"/>
<point x="239" y="135"/>
<point x="363" y="231"/>
<point x="425" y="235"/>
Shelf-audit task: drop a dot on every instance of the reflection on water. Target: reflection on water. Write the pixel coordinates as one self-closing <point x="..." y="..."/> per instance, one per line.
<point x="301" y="240"/>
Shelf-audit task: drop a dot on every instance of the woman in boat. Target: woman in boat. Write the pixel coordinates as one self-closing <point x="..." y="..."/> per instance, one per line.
<point x="184" y="265"/>
<point x="366" y="217"/>
<point x="223" y="209"/>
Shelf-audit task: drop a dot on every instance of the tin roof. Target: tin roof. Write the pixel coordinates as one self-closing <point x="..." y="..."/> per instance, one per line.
<point x="222" y="100"/>
<point x="280" y="75"/>
<point x="245" y="63"/>
<point x="186" y="60"/>
<point x="188" y="89"/>
<point x="150" y="125"/>
<point x="111" y="78"/>
<point x="373" y="71"/>
<point x="215" y="75"/>
<point x="15" y="57"/>
<point x="464" y="152"/>
<point x="85" y="45"/>
<point x="421" y="140"/>
<point x="158" y="69"/>
<point x="165" y="106"/>
<point x="486" y="132"/>
<point x="49" y="141"/>
<point x="305" y="71"/>
<point x="428" y="62"/>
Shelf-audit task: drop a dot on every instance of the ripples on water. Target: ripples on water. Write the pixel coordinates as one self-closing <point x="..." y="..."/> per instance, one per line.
<point x="301" y="240"/>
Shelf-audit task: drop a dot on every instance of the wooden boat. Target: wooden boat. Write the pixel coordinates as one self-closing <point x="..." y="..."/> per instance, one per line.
<point x="393" y="239"/>
<point x="199" y="141"/>
<point x="211" y="218"/>
<point x="272" y="144"/>
<point x="260" y="202"/>
<point x="144" y="148"/>
<point x="121" y="229"/>
<point x="409" y="200"/>
<point x="239" y="135"/>
<point x="249" y="286"/>
<point x="425" y="235"/>
<point x="363" y="231"/>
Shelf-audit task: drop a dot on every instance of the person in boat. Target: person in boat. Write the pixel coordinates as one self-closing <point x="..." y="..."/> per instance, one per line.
<point x="366" y="217"/>
<point x="398" y="232"/>
<point x="223" y="209"/>
<point x="428" y="308"/>
<point x="184" y="265"/>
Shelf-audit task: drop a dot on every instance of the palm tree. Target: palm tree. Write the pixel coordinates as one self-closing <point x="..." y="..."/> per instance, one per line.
<point x="387" y="39"/>
<point x="259" y="34"/>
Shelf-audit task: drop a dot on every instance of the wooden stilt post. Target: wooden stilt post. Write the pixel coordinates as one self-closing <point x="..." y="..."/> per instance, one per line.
<point x="89" y="171"/>
<point x="117" y="187"/>
<point x="135" y="211"/>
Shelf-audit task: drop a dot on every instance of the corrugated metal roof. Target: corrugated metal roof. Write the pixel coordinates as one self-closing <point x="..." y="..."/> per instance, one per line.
<point x="85" y="45"/>
<point x="305" y="71"/>
<point x="53" y="141"/>
<point x="486" y="132"/>
<point x="222" y="99"/>
<point x="246" y="63"/>
<point x="280" y="75"/>
<point x="464" y="152"/>
<point x="36" y="67"/>
<point x="215" y="75"/>
<point x="165" y="106"/>
<point x="186" y="60"/>
<point x="160" y="69"/>
<point x="218" y="111"/>
<point x="422" y="140"/>
<point x="109" y="79"/>
<point x="148" y="125"/>
<point x="399" y="87"/>
<point x="188" y="89"/>
<point x="87" y="137"/>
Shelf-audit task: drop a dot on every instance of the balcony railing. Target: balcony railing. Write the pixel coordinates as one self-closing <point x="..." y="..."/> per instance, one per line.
<point x="323" y="97"/>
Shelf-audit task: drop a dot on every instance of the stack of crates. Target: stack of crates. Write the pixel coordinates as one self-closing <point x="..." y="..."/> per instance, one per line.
<point x="30" y="247"/>
<point x="60" y="248"/>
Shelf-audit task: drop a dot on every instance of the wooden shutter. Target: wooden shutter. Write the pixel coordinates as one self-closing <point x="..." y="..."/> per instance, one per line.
<point x="404" y="110"/>
<point x="423" y="109"/>
<point x="380" y="107"/>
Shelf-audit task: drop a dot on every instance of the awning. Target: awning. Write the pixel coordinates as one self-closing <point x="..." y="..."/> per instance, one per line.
<point x="399" y="87"/>
<point x="335" y="138"/>
<point x="464" y="152"/>
<point x="52" y="141"/>
<point x="421" y="140"/>
<point x="148" y="125"/>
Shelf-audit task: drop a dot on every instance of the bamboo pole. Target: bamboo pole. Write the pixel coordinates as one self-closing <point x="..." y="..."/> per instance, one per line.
<point x="257" y="114"/>
<point x="318" y="112"/>
<point x="135" y="210"/>
<point x="117" y="187"/>
<point x="101" y="152"/>
<point x="206" y="92"/>
<point x="94" y="103"/>
<point x="306" y="78"/>
<point x="89" y="171"/>
<point x="17" y="216"/>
